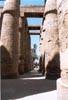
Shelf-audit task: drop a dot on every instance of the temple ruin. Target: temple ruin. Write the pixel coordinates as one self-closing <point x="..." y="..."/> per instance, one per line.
<point x="15" y="41"/>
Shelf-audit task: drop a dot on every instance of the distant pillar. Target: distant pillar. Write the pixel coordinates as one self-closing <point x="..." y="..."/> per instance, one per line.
<point x="0" y="23"/>
<point x="27" y="59"/>
<point x="40" y="62"/>
<point x="9" y="39"/>
<point x="52" y="63"/>
<point x="62" y="83"/>
<point x="21" y="45"/>
<point x="29" y="50"/>
<point x="42" y="52"/>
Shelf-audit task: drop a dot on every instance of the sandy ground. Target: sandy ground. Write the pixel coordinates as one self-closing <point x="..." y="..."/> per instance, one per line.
<point x="30" y="86"/>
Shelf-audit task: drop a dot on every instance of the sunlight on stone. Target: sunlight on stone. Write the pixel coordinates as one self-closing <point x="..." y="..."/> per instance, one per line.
<point x="52" y="95"/>
<point x="33" y="78"/>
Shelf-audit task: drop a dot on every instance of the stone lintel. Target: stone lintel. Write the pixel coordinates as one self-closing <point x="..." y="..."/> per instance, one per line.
<point x="30" y="11"/>
<point x="34" y="27"/>
<point x="34" y="33"/>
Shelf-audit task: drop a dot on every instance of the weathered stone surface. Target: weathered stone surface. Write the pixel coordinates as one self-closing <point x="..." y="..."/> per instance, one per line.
<point x="0" y="24"/>
<point x="28" y="51"/>
<point x="62" y="90"/>
<point x="34" y="27"/>
<point x="9" y="39"/>
<point x="21" y="45"/>
<point x="50" y="27"/>
<point x="50" y="6"/>
<point x="62" y="7"/>
<point x="30" y="11"/>
<point x="42" y="52"/>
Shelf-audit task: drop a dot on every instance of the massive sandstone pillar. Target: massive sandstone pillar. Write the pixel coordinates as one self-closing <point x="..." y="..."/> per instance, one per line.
<point x="27" y="68"/>
<point x="0" y="24"/>
<point x="9" y="39"/>
<point x="52" y="62"/>
<point x="62" y="83"/>
<point x="21" y="45"/>
<point x="40" y="62"/>
<point x="29" y="50"/>
<point x="42" y="52"/>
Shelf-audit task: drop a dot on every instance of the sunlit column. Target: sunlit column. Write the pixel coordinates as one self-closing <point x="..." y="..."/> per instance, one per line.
<point x="50" y="27"/>
<point x="62" y="83"/>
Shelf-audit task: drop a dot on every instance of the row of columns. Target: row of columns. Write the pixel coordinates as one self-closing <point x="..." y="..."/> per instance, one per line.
<point x="15" y="41"/>
<point x="55" y="28"/>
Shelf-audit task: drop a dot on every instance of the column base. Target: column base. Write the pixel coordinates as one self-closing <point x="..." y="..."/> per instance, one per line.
<point x="62" y="90"/>
<point x="52" y="76"/>
<point x="21" y="69"/>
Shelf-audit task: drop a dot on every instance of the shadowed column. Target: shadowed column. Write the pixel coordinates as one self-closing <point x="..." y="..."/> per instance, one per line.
<point x="62" y="83"/>
<point x="9" y="39"/>
<point x="50" y="26"/>
<point x="0" y="24"/>
<point x="21" y="45"/>
<point x="27" y="59"/>
<point x="42" y="51"/>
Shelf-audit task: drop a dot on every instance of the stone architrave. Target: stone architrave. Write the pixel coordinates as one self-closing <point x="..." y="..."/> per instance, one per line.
<point x="62" y="83"/>
<point x="50" y="27"/>
<point x="9" y="39"/>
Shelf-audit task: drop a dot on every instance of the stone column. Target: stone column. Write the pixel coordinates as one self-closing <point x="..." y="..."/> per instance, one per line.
<point x="0" y="24"/>
<point x="62" y="83"/>
<point x="29" y="51"/>
<point x="27" y="68"/>
<point x="26" y="50"/>
<point x="21" y="45"/>
<point x="40" y="62"/>
<point x="42" y="52"/>
<point x="50" y="26"/>
<point x="9" y="39"/>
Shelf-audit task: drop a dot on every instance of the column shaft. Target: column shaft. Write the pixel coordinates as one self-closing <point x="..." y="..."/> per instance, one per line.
<point x="62" y="83"/>
<point x="50" y="27"/>
<point x="9" y="39"/>
<point x="21" y="45"/>
<point x="42" y="52"/>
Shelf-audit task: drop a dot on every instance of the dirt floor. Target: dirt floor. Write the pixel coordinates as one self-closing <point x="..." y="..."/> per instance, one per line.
<point x="30" y="86"/>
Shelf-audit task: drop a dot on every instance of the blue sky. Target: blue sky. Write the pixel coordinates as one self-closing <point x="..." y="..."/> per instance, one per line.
<point x="32" y="2"/>
<point x="34" y="38"/>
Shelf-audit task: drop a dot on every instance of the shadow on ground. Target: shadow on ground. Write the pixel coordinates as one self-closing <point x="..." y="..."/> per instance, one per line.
<point x="29" y="84"/>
